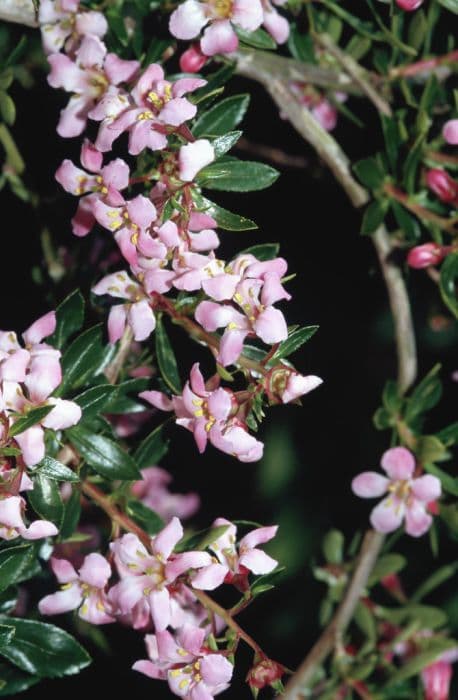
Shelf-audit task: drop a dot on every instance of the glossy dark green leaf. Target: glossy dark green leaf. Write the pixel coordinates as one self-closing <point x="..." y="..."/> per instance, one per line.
<point x="166" y="358"/>
<point x="96" y="399"/>
<point x="449" y="281"/>
<point x="237" y="176"/>
<point x="151" y="450"/>
<point x="259" y="39"/>
<point x="223" y="144"/>
<point x="263" y="251"/>
<point x="369" y="173"/>
<point x="14" y="680"/>
<point x="125" y="399"/>
<point x="144" y="516"/>
<point x="358" y="46"/>
<point x="69" y="319"/>
<point x="43" y="650"/>
<point x="46" y="500"/>
<point x="226" y="219"/>
<point x="84" y="359"/>
<point x="214" y="86"/>
<point x="294" y="341"/>
<point x="72" y="514"/>
<point x="52" y="469"/>
<point x="103" y="454"/>
<point x="223" y="117"/>
<point x="6" y="635"/>
<point x="13" y="563"/>
<point x="374" y="215"/>
<point x="17" y="53"/>
<point x="117" y="25"/>
<point x="301" y="45"/>
<point x="32" y="417"/>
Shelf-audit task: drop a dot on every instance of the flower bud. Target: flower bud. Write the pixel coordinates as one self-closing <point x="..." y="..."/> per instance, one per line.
<point x="426" y="255"/>
<point x="450" y="132"/>
<point x="287" y="385"/>
<point x="264" y="673"/>
<point x="442" y="185"/>
<point x="192" y="60"/>
<point x="409" y="5"/>
<point x="436" y="680"/>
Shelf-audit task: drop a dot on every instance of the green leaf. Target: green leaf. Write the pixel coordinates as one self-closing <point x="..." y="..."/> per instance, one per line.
<point x="374" y="215"/>
<point x="237" y="176"/>
<point x="145" y="517"/>
<point x="6" y="634"/>
<point x="333" y="544"/>
<point x="259" y="39"/>
<point x="358" y="46"/>
<point x="72" y="514"/>
<point x="223" y="144"/>
<point x="94" y="400"/>
<point x="117" y="25"/>
<point x="301" y="45"/>
<point x="417" y="663"/>
<point x="432" y="582"/>
<point x="449" y="435"/>
<point x="448" y="282"/>
<point x="52" y="469"/>
<point x="369" y="173"/>
<point x="215" y="81"/>
<point x="426" y="616"/>
<point x="46" y="500"/>
<point x="121" y="402"/>
<point x="223" y="117"/>
<point x="84" y="359"/>
<point x="406" y="222"/>
<point x="13" y="562"/>
<point x="7" y="108"/>
<point x="366" y="622"/>
<point x="449" y="483"/>
<point x="69" y="319"/>
<point x="104" y="455"/>
<point x="392" y="400"/>
<point x="226" y="219"/>
<point x="202" y="539"/>
<point x="429" y="448"/>
<point x="425" y="396"/>
<point x="151" y="450"/>
<point x="387" y="564"/>
<point x="451" y="5"/>
<point x="43" y="650"/>
<point x="294" y="341"/>
<point x="166" y="359"/>
<point x="263" y="251"/>
<point x="32" y="417"/>
<point x="15" y="681"/>
<point x="17" y="52"/>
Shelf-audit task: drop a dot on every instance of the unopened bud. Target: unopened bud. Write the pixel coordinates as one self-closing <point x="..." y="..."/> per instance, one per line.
<point x="264" y="673"/>
<point x="450" y="132"/>
<point x="409" y="5"/>
<point x="192" y="60"/>
<point x="442" y="185"/>
<point x="426" y="255"/>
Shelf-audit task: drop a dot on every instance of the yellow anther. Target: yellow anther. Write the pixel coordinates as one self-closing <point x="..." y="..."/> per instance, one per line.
<point x="99" y="179"/>
<point x="232" y="326"/>
<point x="100" y="606"/>
<point x="183" y="684"/>
<point x="209" y="425"/>
<point x="238" y="297"/>
<point x="182" y="652"/>
<point x="66" y="586"/>
<point x="197" y="402"/>
<point x="113" y="214"/>
<point x="146" y="591"/>
<point x="134" y="239"/>
<point x="197" y="678"/>
<point x="115" y="224"/>
<point x="175" y="672"/>
<point x="85" y="609"/>
<point x="199" y="413"/>
<point x="140" y="554"/>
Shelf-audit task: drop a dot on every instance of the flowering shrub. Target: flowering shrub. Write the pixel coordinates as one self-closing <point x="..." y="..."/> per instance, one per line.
<point x="83" y="408"/>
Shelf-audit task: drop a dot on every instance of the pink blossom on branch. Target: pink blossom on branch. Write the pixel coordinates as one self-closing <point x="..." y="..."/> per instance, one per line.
<point x="436" y="678"/>
<point x="153" y="491"/>
<point x="65" y="23"/>
<point x="12" y="523"/>
<point x="408" y="496"/>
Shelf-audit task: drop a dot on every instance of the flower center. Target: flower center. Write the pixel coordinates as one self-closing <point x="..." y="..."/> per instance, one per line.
<point x="222" y="8"/>
<point x="400" y="489"/>
<point x="202" y="411"/>
<point x="157" y="100"/>
<point x="98" y="82"/>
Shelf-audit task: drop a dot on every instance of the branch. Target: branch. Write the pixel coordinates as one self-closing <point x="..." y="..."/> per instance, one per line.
<point x="18" y="11"/>
<point x="267" y="70"/>
<point x="114" y="368"/>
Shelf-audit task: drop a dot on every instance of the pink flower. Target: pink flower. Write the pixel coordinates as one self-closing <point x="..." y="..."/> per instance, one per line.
<point x="128" y="222"/>
<point x="193" y="157"/>
<point x="103" y="183"/>
<point x="276" y="25"/>
<point x="88" y="78"/>
<point x="155" y="104"/>
<point x="442" y="185"/>
<point x="246" y="557"/>
<point x="15" y="361"/>
<point x="408" y="496"/>
<point x="192" y="60"/>
<point x="436" y="677"/>
<point x="450" y="132"/>
<point x="83" y="591"/>
<point x="137" y="314"/>
<point x="153" y="491"/>
<point x="12" y="521"/>
<point x="192" y="671"/>
<point x="145" y="576"/>
<point x="191" y="16"/>
<point x="409" y="5"/>
<point x="297" y="385"/>
<point x="210" y="416"/>
<point x="65" y="22"/>
<point x="425" y="255"/>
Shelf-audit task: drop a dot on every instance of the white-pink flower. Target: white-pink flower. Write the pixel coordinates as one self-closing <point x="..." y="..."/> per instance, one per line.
<point x="193" y="157"/>
<point x="450" y="132"/>
<point x="83" y="591"/>
<point x="408" y="496"/>
<point x="12" y="523"/>
<point x="103" y="183"/>
<point x="192" y="671"/>
<point x="153" y="491"/>
<point x="187" y="21"/>
<point x="64" y="22"/>
<point x="16" y="362"/>
<point x="274" y="22"/>
<point x="88" y="78"/>
<point x="137" y="313"/>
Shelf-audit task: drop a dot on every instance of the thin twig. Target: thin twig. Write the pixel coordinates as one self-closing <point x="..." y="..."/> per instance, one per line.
<point x="272" y="154"/>
<point x="418" y="210"/>
<point x="114" y="368"/>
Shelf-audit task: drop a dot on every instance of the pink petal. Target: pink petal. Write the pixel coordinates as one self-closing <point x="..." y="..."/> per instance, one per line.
<point x="187" y="20"/>
<point x="149" y="669"/>
<point x="210" y="577"/>
<point x="157" y="399"/>
<point x="387" y="516"/>
<point x="231" y="346"/>
<point x="183" y="562"/>
<point x="61" y="602"/>
<point x="398" y="463"/>
<point x="216" y="669"/>
<point x="220" y="404"/>
<point x="418" y="521"/>
<point x="119" y="71"/>
<point x="184" y="85"/>
<point x="298" y="386"/>
<point x="116" y="285"/>
<point x="91" y="52"/>
<point x="14" y="368"/>
<point x="193" y="157"/>
<point x="116" y="174"/>
<point x="63" y="570"/>
<point x="271" y="326"/>
<point x="151" y="75"/>
<point x="276" y="25"/>
<point x="141" y="320"/>
<point x="450" y="132"/>
<point x="203" y="241"/>
<point x="44" y="326"/>
<point x="248" y="14"/>
<point x="221" y="287"/>
<point x="191" y="639"/>
<point x="258" y="536"/>
<point x="427" y="488"/>
<point x="219" y="37"/>
<point x="63" y="415"/>
<point x="38" y="529"/>
<point x="45" y="373"/>
<point x="141" y="211"/>
<point x="73" y="179"/>
<point x="73" y="117"/>
<point x="160" y="608"/>
<point x="197" y="380"/>
<point x="84" y="219"/>
<point x="32" y="445"/>
<point x="258" y="561"/>
<point x="369" y="485"/>
<point x="273" y="290"/>
<point x="95" y="609"/>
<point x="212" y="316"/>
<point x="65" y="73"/>
<point x="165" y="541"/>
<point x="11" y="512"/>
<point x="177" y="111"/>
<point x="91" y="23"/>
<point x="95" y="570"/>
<point x="117" y="322"/>
<point x="91" y="158"/>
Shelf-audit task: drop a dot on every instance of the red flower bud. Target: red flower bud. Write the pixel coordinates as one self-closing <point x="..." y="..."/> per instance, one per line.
<point x="426" y="255"/>
<point x="192" y="60"/>
<point x="442" y="185"/>
<point x="409" y="5"/>
<point x="265" y="673"/>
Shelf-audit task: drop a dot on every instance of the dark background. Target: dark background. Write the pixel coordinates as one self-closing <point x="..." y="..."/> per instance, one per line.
<point x="303" y="482"/>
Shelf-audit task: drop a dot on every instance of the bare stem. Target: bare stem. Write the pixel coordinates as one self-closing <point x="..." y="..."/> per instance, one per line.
<point x="424" y="66"/>
<point x="418" y="210"/>
<point x="114" y="368"/>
